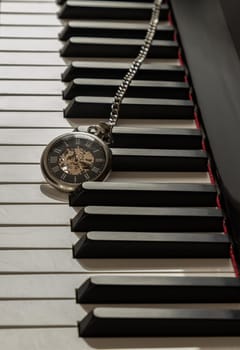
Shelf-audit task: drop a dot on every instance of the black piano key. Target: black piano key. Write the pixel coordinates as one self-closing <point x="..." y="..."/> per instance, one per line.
<point x="116" y="70"/>
<point x="131" y="137"/>
<point x="151" y="138"/>
<point x="109" y="10"/>
<point x="152" y="245"/>
<point x="154" y="322"/>
<point x="159" y="290"/>
<point x="100" y="218"/>
<point x="139" y="88"/>
<point x="116" y="48"/>
<point x="158" y="160"/>
<point x="138" y="194"/>
<point x="132" y="108"/>
<point x="113" y="30"/>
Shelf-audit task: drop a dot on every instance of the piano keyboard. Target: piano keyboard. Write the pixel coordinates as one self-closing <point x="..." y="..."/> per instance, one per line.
<point x="144" y="262"/>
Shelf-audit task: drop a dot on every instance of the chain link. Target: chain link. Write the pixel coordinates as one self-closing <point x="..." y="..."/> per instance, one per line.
<point x="136" y="64"/>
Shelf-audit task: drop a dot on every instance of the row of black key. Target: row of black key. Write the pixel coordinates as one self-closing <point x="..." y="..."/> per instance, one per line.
<point x="126" y="220"/>
<point x="155" y="138"/>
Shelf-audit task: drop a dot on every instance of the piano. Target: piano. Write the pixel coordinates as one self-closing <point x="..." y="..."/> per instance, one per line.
<point x="148" y="259"/>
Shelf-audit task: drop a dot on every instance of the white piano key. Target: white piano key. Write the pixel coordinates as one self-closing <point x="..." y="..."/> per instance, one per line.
<point x="27" y="119"/>
<point x="62" y="286"/>
<point x="20" y="154"/>
<point x="32" y="58"/>
<point x="30" y="72"/>
<point x="37" y="237"/>
<point x="61" y="261"/>
<point x="31" y="87"/>
<point x="44" y="338"/>
<point x="59" y="338"/>
<point x="32" y="103"/>
<point x="30" y="194"/>
<point x="40" y="313"/>
<point x="46" y="32"/>
<point x="29" y="19"/>
<point x="22" y="7"/>
<point x="51" y="214"/>
<point x="18" y="173"/>
<point x="40" y="286"/>
<point x="30" y="136"/>
<point x="27" y="1"/>
<point x="35" y="119"/>
<point x="45" y="45"/>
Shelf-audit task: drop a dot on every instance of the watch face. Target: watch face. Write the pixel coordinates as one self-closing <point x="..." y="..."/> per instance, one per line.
<point x="71" y="159"/>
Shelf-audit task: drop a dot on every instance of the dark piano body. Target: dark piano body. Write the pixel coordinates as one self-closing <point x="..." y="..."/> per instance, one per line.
<point x="148" y="259"/>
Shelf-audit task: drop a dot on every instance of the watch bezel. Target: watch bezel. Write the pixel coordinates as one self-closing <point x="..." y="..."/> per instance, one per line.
<point x="62" y="185"/>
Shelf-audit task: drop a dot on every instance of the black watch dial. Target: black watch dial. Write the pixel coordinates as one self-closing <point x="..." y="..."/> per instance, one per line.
<point x="71" y="159"/>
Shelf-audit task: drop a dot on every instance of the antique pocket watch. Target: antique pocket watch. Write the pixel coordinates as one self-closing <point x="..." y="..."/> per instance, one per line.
<point x="73" y="158"/>
<point x="76" y="157"/>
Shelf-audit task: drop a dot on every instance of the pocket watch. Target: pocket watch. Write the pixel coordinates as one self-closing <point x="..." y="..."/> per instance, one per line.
<point x="73" y="158"/>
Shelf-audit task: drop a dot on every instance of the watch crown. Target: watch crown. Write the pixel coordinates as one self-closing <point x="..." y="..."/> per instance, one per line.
<point x="102" y="130"/>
